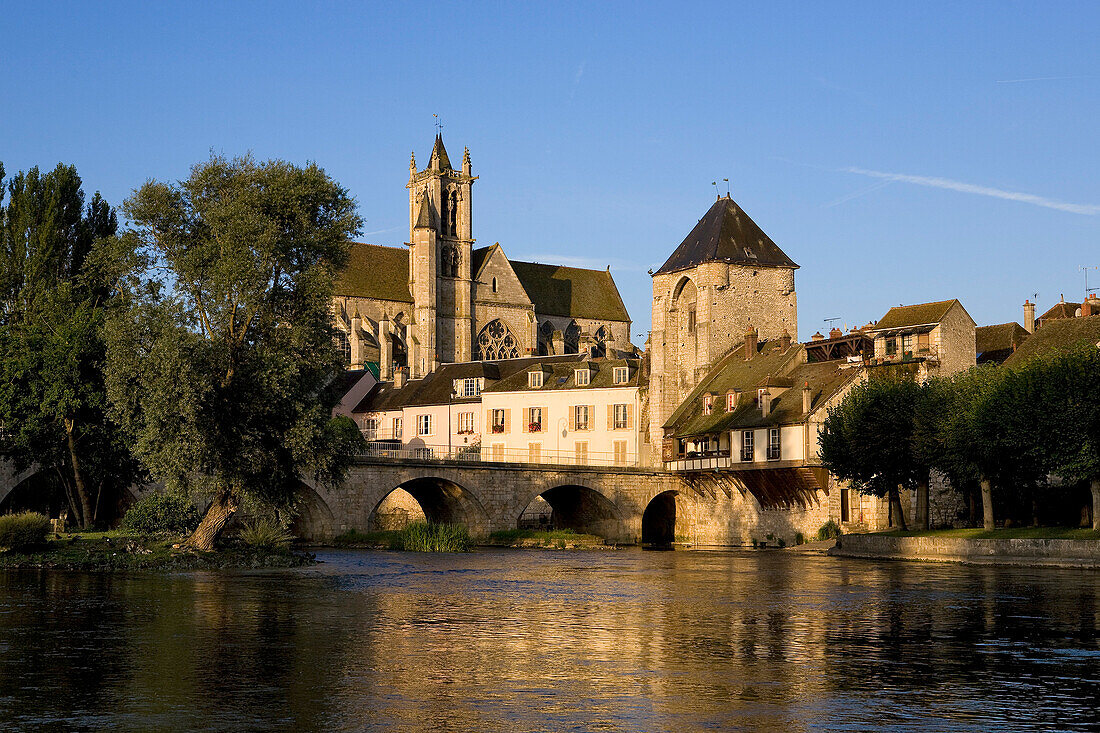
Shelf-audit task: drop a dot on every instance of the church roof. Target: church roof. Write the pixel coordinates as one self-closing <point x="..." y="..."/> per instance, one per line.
<point x="378" y="272"/>
<point x="726" y="234"/>
<point x="556" y="290"/>
<point x="439" y="153"/>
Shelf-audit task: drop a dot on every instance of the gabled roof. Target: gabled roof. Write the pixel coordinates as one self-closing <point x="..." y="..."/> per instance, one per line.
<point x="575" y="292"/>
<point x="374" y="271"/>
<point x="922" y="314"/>
<point x="1059" y="334"/>
<point x="439" y="153"/>
<point x="561" y="374"/>
<point x="726" y="234"/>
<point x="1060" y="310"/>
<point x="996" y="343"/>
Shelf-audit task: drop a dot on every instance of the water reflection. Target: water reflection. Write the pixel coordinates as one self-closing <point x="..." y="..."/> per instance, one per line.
<point x="514" y="641"/>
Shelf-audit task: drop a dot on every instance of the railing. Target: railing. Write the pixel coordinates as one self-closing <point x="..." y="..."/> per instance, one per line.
<point x="489" y="454"/>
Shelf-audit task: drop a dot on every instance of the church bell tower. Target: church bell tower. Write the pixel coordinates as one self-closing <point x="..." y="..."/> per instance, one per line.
<point x="440" y="278"/>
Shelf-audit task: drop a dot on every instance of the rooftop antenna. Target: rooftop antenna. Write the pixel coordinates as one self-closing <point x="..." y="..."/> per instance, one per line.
<point x="1085" y="269"/>
<point x="727" y="187"/>
<point x="829" y="321"/>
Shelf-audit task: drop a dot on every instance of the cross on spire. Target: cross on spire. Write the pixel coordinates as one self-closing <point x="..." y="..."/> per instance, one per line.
<point x="438" y="125"/>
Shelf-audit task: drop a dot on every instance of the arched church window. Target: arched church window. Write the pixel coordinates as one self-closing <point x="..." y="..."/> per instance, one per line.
<point x="452" y="213"/>
<point x="343" y="345"/>
<point x="572" y="338"/>
<point x="496" y="342"/>
<point x="494" y="284"/>
<point x="448" y="265"/>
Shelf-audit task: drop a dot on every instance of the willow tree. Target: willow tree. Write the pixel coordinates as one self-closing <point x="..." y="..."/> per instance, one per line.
<point x="222" y="368"/>
<point x="59" y="277"/>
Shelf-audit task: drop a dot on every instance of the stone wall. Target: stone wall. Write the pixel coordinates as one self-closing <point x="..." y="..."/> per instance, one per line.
<point x="1055" y="553"/>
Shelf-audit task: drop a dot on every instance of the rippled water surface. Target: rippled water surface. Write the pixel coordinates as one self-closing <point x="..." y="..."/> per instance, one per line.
<point x="554" y="641"/>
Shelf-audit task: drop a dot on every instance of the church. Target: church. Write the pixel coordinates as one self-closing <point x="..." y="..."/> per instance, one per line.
<point x="439" y="299"/>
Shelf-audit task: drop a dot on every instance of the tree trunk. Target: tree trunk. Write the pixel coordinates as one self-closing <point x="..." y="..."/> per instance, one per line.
<point x="1034" y="511"/>
<point x="921" y="522"/>
<point x="214" y="520"/>
<point x="987" y="504"/>
<point x="895" y="502"/>
<point x="972" y="504"/>
<point x="1095" y="486"/>
<point x="86" y="512"/>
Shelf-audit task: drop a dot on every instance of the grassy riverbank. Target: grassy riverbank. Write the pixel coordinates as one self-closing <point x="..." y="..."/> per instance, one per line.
<point x="556" y="539"/>
<point x="121" y="551"/>
<point x="417" y="537"/>
<point x="1012" y="533"/>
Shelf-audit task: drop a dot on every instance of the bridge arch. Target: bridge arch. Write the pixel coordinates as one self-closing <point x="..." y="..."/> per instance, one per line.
<point x="443" y="502"/>
<point x="659" y="520"/>
<point x="580" y="508"/>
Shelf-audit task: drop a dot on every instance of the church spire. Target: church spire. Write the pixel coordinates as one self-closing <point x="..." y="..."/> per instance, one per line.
<point x="439" y="160"/>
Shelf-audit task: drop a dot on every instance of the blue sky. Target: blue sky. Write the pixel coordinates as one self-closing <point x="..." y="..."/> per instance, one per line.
<point x="899" y="152"/>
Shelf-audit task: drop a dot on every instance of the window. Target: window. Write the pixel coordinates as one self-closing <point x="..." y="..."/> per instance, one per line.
<point x="370" y="427"/>
<point x="397" y="428"/>
<point x="496" y="342"/>
<point x="620" y="452"/>
<point x="621" y="417"/>
<point x="494" y="284"/>
<point x="534" y="379"/>
<point x="465" y="423"/>
<point x="621" y="375"/>
<point x="691" y="318"/>
<point x="534" y="424"/>
<point x="343" y="345"/>
<point x="923" y="343"/>
<point x="907" y="343"/>
<point x="580" y="416"/>
<point x="845" y="510"/>
<point x="580" y="452"/>
<point x="760" y="396"/>
<point x="583" y="377"/>
<point x="423" y="424"/>
<point x="891" y="345"/>
<point x="468" y="387"/>
<point x="498" y="421"/>
<point x="534" y="452"/>
<point x="746" y="445"/>
<point x="708" y="404"/>
<point x="773" y="444"/>
<point x="731" y="401"/>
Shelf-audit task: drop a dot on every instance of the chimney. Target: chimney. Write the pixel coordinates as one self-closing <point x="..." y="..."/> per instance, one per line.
<point x="1029" y="316"/>
<point x="818" y="336"/>
<point x="765" y="402"/>
<point x="400" y="377"/>
<point x="835" y="333"/>
<point x="785" y="340"/>
<point x="807" y="398"/>
<point x="750" y="344"/>
<point x="1090" y="305"/>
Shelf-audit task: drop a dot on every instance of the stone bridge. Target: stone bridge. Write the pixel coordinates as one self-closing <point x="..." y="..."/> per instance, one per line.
<point x="618" y="503"/>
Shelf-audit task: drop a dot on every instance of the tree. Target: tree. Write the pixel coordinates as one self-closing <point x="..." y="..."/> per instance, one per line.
<point x="868" y="439"/>
<point x="1070" y="391"/>
<point x="222" y="368"/>
<point x="57" y="284"/>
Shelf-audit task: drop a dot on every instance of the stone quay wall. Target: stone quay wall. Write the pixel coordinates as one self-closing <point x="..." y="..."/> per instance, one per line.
<point x="1026" y="552"/>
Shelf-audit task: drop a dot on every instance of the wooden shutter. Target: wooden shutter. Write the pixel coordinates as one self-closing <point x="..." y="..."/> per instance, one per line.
<point x="629" y="416"/>
<point x="507" y="419"/>
<point x="611" y="417"/>
<point x="591" y="417"/>
<point x="572" y="418"/>
<point x="526" y="419"/>
<point x="488" y="427"/>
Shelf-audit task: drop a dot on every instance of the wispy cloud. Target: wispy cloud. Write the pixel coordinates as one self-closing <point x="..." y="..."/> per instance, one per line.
<point x="950" y="185"/>
<point x="381" y="231"/>
<point x="591" y="263"/>
<point x="1040" y="78"/>
<point x="856" y="194"/>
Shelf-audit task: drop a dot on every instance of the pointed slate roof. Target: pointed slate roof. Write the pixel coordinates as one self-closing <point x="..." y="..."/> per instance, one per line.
<point x="439" y="154"/>
<point x="426" y="218"/>
<point x="726" y="234"/>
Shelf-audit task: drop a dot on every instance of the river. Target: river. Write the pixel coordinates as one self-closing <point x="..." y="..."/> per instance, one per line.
<point x="501" y="640"/>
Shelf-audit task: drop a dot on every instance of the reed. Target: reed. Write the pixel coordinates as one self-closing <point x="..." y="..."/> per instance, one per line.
<point x="425" y="537"/>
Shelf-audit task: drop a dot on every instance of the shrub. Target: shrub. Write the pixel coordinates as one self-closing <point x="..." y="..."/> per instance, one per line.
<point x="265" y="533"/>
<point x="421" y="537"/>
<point x="829" y="531"/>
<point x="161" y="513"/>
<point x="24" y="531"/>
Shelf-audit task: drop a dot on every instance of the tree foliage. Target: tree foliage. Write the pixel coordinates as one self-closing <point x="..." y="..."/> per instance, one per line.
<point x="58" y="281"/>
<point x="222" y="368"/>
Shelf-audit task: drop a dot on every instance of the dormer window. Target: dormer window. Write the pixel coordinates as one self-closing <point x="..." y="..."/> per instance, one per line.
<point x="534" y="380"/>
<point x="731" y="401"/>
<point x="468" y="387"/>
<point x="621" y="375"/>
<point x="708" y="404"/>
<point x="583" y="377"/>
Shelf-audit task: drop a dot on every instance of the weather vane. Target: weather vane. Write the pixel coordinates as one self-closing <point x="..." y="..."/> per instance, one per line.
<point x="438" y="125"/>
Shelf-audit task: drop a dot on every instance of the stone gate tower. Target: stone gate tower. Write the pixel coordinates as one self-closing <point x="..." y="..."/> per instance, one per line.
<point x="441" y="242"/>
<point x="725" y="278"/>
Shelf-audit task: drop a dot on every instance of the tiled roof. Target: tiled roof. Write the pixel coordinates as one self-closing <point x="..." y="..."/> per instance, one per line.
<point x="771" y="366"/>
<point x="1060" y="334"/>
<point x="726" y="234"/>
<point x="562" y="375"/>
<point x="995" y="343"/>
<point x="921" y="314"/>
<point x="1060" y="310"/>
<point x="378" y="272"/>
<point x="574" y="292"/>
